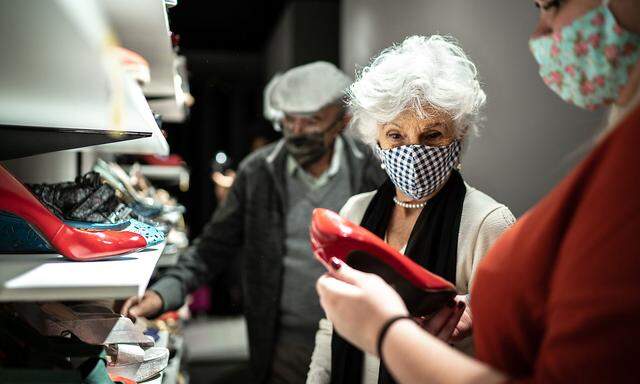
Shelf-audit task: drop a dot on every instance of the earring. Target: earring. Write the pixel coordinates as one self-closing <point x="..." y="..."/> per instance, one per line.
<point x="382" y="165"/>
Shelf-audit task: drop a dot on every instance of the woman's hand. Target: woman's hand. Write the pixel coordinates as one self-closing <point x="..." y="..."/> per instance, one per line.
<point x="452" y="323"/>
<point x="465" y="325"/>
<point x="358" y="303"/>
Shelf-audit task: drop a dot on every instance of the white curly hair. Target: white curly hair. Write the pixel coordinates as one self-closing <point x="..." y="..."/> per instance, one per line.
<point x="420" y="72"/>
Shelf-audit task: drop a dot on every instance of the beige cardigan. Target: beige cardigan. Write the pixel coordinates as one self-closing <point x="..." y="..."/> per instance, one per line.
<point x="483" y="220"/>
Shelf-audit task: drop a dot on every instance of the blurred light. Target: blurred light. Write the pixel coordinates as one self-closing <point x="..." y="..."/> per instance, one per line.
<point x="221" y="157"/>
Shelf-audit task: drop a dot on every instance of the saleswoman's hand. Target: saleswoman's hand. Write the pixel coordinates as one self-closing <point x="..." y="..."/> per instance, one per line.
<point x="148" y="305"/>
<point x="358" y="304"/>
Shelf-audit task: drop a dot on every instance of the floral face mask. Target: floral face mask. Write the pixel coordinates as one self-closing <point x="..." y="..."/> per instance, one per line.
<point x="589" y="61"/>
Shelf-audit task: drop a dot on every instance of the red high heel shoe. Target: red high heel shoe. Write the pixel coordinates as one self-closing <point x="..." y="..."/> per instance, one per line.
<point x="333" y="236"/>
<point x="74" y="244"/>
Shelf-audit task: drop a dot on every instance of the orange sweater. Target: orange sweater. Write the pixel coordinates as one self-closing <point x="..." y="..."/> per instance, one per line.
<point x="557" y="299"/>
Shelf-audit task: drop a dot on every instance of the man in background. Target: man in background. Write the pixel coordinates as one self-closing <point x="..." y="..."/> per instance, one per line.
<point x="265" y="220"/>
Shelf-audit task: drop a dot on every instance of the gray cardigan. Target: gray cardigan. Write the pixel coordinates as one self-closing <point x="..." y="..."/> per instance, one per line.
<point x="251" y="224"/>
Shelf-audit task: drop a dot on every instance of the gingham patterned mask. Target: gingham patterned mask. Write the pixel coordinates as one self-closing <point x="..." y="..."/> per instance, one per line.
<point x="588" y="62"/>
<point x="418" y="170"/>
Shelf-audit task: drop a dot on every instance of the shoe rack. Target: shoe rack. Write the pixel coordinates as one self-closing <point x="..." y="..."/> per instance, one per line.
<point x="65" y="102"/>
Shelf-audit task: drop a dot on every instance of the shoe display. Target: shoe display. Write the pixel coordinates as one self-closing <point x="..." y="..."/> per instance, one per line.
<point x="134" y="363"/>
<point x="83" y="230"/>
<point x="132" y="63"/>
<point x="92" y="324"/>
<point x="333" y="236"/>
<point x="21" y="238"/>
<point x="170" y="160"/>
<point x="85" y="199"/>
<point x="74" y="244"/>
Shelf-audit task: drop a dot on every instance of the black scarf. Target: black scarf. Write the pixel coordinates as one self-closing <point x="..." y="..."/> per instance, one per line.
<point x="433" y="244"/>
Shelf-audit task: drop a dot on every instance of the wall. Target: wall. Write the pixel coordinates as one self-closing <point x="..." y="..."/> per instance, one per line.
<point x="531" y="138"/>
<point x="307" y="31"/>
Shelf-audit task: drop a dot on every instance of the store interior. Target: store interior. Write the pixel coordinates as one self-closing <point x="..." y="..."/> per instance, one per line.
<point x="133" y="116"/>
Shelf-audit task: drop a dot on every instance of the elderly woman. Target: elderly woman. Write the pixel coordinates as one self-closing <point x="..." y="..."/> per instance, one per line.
<point x="416" y="104"/>
<point x="557" y="299"/>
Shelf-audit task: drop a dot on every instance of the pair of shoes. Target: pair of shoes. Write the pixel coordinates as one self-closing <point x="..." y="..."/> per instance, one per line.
<point x="333" y="236"/>
<point x="91" y="323"/>
<point x="135" y="363"/>
<point x="73" y="243"/>
<point x="141" y="202"/>
<point x="86" y="198"/>
<point x="19" y="237"/>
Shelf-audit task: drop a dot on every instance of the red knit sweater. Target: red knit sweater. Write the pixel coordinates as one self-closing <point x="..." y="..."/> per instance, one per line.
<point x="557" y="299"/>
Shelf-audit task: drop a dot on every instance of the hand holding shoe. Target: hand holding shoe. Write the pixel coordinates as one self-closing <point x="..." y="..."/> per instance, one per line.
<point x="358" y="303"/>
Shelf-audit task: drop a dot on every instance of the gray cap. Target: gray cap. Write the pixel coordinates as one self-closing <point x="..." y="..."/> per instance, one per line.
<point x="304" y="89"/>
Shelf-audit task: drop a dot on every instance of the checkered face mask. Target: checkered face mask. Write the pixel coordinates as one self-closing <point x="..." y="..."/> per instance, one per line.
<point x="418" y="170"/>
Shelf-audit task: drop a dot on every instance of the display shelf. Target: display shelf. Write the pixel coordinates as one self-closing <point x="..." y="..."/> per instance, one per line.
<point x="169" y="257"/>
<point x="22" y="141"/>
<point x="42" y="277"/>
<point x="158" y="379"/>
<point x="139" y="111"/>
<point x="143" y="27"/>
<point x="173" y="109"/>
<point x="167" y="173"/>
<point x="76" y="88"/>
<point x="173" y="368"/>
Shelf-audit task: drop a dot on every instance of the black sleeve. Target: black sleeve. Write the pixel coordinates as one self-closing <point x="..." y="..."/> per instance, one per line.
<point x="211" y="253"/>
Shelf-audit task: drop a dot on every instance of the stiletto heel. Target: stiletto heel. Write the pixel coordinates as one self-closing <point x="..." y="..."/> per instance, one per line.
<point x="74" y="244"/>
<point x="333" y="236"/>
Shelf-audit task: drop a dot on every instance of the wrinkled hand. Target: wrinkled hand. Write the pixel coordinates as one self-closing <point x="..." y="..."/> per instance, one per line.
<point x="358" y="304"/>
<point x="464" y="328"/>
<point x="450" y="323"/>
<point x="149" y="305"/>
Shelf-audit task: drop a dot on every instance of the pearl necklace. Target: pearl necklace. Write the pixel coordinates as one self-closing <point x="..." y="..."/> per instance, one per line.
<point x="409" y="205"/>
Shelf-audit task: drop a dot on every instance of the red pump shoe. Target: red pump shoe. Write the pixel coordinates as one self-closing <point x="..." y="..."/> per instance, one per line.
<point x="74" y="244"/>
<point x="333" y="236"/>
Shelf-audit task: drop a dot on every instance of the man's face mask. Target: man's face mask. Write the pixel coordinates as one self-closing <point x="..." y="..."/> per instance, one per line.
<point x="589" y="61"/>
<point x="307" y="148"/>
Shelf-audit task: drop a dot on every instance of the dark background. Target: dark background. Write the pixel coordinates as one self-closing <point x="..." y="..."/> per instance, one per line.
<point x="232" y="50"/>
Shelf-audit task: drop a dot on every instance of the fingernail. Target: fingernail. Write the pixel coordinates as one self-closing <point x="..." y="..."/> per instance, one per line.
<point x="336" y="263"/>
<point x="460" y="305"/>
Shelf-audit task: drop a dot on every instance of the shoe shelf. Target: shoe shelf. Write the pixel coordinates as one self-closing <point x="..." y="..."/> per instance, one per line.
<point x="50" y="277"/>
<point x="177" y="174"/>
<point x="172" y="371"/>
<point x="173" y="107"/>
<point x="57" y="96"/>
<point x="143" y="27"/>
<point x="169" y="257"/>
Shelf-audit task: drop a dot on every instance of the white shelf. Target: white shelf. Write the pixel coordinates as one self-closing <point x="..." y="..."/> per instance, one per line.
<point x="76" y="88"/>
<point x="176" y="173"/>
<point x="173" y="368"/>
<point x="168" y="259"/>
<point x="143" y="27"/>
<point x="173" y="109"/>
<point x="138" y="110"/>
<point x="42" y="277"/>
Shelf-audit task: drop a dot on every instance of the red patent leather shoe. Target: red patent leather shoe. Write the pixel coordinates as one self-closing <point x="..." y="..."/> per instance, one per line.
<point x="74" y="244"/>
<point x="333" y="236"/>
